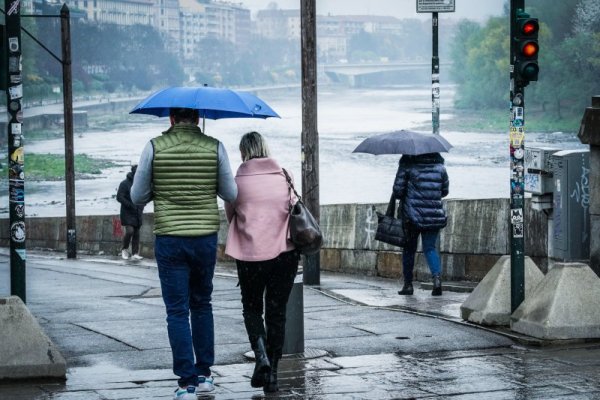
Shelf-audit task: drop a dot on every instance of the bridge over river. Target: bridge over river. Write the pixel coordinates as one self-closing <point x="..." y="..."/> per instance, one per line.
<point x="352" y="73"/>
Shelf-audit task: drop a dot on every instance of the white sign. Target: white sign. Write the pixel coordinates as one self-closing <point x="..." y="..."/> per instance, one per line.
<point x="429" y="6"/>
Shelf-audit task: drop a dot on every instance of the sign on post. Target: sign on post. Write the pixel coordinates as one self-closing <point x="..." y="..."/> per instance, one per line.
<point x="430" y="6"/>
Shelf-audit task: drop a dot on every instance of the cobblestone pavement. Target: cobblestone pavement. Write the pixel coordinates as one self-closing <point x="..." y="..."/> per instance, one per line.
<point x="107" y="318"/>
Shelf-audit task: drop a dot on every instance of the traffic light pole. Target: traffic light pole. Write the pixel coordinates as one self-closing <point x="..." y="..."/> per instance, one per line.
<point x="16" y="159"/>
<point x="517" y="185"/>
<point x="435" y="76"/>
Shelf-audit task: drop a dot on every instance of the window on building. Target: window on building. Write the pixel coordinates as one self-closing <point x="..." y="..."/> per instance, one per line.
<point x="85" y="4"/>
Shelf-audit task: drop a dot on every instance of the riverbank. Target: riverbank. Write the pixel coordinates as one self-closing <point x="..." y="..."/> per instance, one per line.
<point x="497" y="121"/>
<point x="478" y="165"/>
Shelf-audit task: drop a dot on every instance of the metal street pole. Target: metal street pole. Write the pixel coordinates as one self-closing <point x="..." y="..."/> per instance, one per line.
<point x="16" y="159"/>
<point x="65" y="31"/>
<point x="310" y="136"/>
<point x="435" y="76"/>
<point x="517" y="184"/>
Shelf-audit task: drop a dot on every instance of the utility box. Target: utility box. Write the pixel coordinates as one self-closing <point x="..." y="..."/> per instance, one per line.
<point x="571" y="202"/>
<point x="538" y="176"/>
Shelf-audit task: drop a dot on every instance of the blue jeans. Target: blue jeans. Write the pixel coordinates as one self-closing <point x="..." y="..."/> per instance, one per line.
<point x="186" y="267"/>
<point x="428" y="241"/>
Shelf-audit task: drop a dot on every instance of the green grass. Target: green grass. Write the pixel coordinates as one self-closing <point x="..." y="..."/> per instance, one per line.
<point x="51" y="167"/>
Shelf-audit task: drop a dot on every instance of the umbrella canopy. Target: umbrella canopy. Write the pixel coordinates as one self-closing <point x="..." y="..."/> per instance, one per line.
<point x="212" y="103"/>
<point x="403" y="142"/>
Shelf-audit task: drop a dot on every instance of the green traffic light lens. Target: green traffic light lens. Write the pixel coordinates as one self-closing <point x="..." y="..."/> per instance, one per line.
<point x="530" y="71"/>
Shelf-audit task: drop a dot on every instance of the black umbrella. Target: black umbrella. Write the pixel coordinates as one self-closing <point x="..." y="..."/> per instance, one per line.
<point x="403" y="142"/>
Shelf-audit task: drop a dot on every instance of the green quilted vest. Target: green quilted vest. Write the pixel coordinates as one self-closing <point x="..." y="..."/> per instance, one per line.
<point x="185" y="182"/>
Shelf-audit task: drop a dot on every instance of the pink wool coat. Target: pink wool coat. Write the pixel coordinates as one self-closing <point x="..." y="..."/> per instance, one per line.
<point x="259" y="217"/>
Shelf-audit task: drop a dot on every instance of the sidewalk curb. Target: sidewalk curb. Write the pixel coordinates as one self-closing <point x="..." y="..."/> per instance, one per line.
<point x="503" y="331"/>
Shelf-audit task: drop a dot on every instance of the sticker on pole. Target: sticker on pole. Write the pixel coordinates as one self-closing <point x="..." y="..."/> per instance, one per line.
<point x="430" y="6"/>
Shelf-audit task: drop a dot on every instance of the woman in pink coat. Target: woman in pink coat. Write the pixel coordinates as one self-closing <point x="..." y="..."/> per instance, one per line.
<point x="266" y="259"/>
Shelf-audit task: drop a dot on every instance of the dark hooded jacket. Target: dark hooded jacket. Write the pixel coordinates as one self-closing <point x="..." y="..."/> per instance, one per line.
<point x="421" y="183"/>
<point x="131" y="214"/>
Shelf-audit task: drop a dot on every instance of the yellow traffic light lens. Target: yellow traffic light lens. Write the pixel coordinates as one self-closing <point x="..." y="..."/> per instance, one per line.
<point x="529" y="49"/>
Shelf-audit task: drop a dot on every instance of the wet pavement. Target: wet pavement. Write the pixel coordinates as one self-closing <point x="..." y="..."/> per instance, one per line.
<point x="107" y="317"/>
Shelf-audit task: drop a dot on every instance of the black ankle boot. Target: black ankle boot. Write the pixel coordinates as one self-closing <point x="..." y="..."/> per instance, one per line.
<point x="272" y="386"/>
<point x="437" y="286"/>
<point x="407" y="289"/>
<point x="262" y="367"/>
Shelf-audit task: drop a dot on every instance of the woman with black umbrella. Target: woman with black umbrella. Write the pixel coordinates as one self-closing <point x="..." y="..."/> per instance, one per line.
<point x="421" y="183"/>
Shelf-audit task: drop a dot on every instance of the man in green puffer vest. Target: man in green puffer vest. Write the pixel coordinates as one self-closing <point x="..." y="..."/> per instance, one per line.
<point x="183" y="171"/>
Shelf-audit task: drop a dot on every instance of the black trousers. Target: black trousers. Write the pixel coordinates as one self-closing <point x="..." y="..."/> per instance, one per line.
<point x="132" y="234"/>
<point x="273" y="280"/>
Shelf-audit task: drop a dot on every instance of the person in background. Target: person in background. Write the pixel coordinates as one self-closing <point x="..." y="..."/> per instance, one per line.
<point x="183" y="171"/>
<point x="131" y="218"/>
<point x="421" y="183"/>
<point x="267" y="262"/>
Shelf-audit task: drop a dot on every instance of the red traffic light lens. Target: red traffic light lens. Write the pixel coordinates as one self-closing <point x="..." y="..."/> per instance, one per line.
<point x="530" y="49"/>
<point x="529" y="28"/>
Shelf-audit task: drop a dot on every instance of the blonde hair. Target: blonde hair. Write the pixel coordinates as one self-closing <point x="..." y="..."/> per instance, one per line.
<point x="253" y="145"/>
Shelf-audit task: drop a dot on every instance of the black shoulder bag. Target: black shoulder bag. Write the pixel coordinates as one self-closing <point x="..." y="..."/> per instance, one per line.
<point x="305" y="232"/>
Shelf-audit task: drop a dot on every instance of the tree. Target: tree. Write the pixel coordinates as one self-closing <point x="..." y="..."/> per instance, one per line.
<point x="464" y="40"/>
<point x="587" y="17"/>
<point x="484" y="59"/>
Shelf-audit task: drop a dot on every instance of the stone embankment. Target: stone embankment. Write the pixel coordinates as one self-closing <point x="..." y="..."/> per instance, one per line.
<point x="477" y="235"/>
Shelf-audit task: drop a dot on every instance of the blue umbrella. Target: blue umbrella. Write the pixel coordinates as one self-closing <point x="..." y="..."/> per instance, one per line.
<point x="212" y="103"/>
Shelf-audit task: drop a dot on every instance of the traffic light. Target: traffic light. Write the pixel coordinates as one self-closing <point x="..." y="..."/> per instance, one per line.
<point x="526" y="49"/>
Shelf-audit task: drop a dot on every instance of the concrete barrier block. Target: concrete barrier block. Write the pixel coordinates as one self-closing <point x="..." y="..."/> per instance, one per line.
<point x="595" y="244"/>
<point x="221" y="256"/>
<point x="478" y="265"/>
<point x="331" y="259"/>
<point x="563" y="306"/>
<point x="536" y="234"/>
<point x="359" y="261"/>
<point x="339" y="224"/>
<point x="25" y="350"/>
<point x="489" y="303"/>
<point x="476" y="227"/>
<point x="453" y="266"/>
<point x="389" y="264"/>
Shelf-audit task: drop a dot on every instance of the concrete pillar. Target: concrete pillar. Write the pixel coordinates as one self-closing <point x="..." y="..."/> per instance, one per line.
<point x="25" y="350"/>
<point x="562" y="306"/>
<point x="589" y="133"/>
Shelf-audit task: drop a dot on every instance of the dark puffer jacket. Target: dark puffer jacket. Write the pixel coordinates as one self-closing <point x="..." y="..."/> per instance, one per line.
<point x="131" y="214"/>
<point x="421" y="182"/>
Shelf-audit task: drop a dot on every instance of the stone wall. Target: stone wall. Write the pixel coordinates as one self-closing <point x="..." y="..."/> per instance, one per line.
<point x="476" y="236"/>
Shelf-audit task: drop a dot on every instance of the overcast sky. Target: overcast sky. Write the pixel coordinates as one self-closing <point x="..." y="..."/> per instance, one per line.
<point x="474" y="9"/>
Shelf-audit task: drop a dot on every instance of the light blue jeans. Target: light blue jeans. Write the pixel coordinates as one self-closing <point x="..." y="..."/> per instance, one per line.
<point x="186" y="267"/>
<point x="428" y="242"/>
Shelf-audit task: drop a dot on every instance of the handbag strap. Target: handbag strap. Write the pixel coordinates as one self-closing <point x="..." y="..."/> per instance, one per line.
<point x="291" y="186"/>
<point x="391" y="206"/>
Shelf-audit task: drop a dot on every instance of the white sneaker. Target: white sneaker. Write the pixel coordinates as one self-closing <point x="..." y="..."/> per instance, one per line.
<point x="188" y="393"/>
<point x="205" y="384"/>
<point x="137" y="257"/>
<point x="125" y="254"/>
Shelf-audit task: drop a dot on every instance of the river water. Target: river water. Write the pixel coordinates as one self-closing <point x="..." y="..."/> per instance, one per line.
<point x="478" y="165"/>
